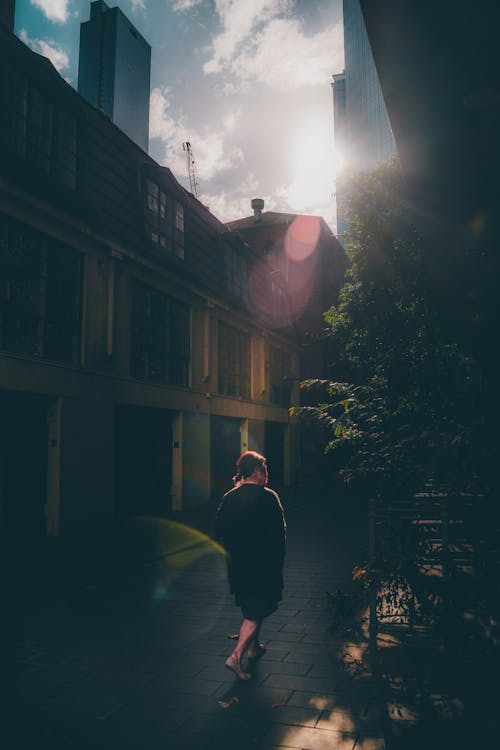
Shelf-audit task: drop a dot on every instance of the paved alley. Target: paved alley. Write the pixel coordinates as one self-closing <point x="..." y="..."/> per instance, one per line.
<point x="134" y="658"/>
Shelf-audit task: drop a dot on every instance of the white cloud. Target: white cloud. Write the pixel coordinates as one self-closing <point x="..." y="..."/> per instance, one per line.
<point x="284" y="58"/>
<point x="239" y="18"/>
<point x="232" y="204"/>
<point x="262" y="42"/>
<point x="55" y="10"/>
<point x="182" y="5"/>
<point x="231" y="120"/>
<point x="57" y="56"/>
<point x="138" y="4"/>
<point x="212" y="155"/>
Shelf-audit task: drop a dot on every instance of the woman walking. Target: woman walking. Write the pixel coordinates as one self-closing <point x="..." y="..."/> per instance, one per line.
<point x="251" y="526"/>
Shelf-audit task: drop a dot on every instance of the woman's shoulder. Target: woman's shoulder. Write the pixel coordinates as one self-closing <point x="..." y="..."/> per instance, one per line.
<point x="271" y="492"/>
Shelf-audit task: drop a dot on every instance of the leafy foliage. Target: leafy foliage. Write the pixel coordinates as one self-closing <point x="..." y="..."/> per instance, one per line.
<point x="405" y="416"/>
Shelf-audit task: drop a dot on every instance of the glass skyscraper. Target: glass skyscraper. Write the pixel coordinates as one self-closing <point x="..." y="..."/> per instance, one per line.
<point x="114" y="70"/>
<point x="363" y="133"/>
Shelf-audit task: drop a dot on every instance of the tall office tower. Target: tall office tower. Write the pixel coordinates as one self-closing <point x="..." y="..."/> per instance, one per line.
<point x="7" y="10"/>
<point x="114" y="70"/>
<point x="362" y="130"/>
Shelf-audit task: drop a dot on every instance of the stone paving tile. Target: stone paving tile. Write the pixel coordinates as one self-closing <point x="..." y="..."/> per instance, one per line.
<point x="149" y="712"/>
<point x="370" y="743"/>
<point x="296" y="627"/>
<point x="227" y="726"/>
<point x="326" y="668"/>
<point x="327" y="701"/>
<point x="343" y="721"/>
<point x="275" y="651"/>
<point x="304" y="657"/>
<point x="206" y="648"/>
<point x="194" y="685"/>
<point x="221" y="672"/>
<point x="306" y="717"/>
<point x="190" y="702"/>
<point x="317" y="684"/>
<point x="319" y="638"/>
<point x="289" y="667"/>
<point x="300" y="647"/>
<point x="285" y="637"/>
<point x="256" y="694"/>
<point x="83" y="705"/>
<point x="312" y="739"/>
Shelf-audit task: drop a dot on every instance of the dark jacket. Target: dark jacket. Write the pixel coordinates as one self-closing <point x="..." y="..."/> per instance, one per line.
<point x="251" y="526"/>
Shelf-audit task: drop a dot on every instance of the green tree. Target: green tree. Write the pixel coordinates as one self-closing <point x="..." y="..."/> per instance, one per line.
<point x="403" y="414"/>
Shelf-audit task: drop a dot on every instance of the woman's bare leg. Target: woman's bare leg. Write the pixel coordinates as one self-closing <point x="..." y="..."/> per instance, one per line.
<point x="256" y="648"/>
<point x="248" y="631"/>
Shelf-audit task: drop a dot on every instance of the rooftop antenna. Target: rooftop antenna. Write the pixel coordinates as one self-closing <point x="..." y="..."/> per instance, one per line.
<point x="193" y="177"/>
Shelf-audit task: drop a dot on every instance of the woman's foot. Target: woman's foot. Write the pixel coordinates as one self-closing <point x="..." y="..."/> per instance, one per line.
<point x="234" y="665"/>
<point x="254" y="652"/>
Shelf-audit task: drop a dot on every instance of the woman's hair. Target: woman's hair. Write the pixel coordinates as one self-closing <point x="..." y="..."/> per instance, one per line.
<point x="247" y="463"/>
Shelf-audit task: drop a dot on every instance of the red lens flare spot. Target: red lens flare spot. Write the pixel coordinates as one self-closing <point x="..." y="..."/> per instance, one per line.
<point x="302" y="237"/>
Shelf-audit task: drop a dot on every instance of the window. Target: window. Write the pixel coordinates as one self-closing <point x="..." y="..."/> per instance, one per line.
<point x="34" y="129"/>
<point x="279" y="366"/>
<point x="160" y="348"/>
<point x="163" y="219"/>
<point x="64" y="158"/>
<point x="236" y="273"/>
<point x="40" y="295"/>
<point x="13" y="111"/>
<point x="234" y="362"/>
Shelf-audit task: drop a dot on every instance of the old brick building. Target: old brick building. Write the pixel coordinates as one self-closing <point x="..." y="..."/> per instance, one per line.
<point x="132" y="369"/>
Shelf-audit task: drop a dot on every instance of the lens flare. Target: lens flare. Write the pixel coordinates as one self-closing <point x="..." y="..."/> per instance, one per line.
<point x="302" y="237"/>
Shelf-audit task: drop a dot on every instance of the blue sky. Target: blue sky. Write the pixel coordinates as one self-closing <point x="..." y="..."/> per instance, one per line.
<point x="247" y="82"/>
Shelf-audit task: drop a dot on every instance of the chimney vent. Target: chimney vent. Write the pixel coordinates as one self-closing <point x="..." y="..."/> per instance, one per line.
<point x="257" y="206"/>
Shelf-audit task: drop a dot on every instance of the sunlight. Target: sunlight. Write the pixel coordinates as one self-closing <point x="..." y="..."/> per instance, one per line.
<point x="311" y="157"/>
<point x="339" y="160"/>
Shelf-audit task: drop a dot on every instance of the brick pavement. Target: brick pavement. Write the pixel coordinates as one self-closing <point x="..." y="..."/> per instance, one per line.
<point x="135" y="658"/>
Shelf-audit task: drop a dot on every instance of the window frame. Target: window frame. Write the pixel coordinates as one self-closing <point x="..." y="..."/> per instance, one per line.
<point x="163" y="219"/>
<point x="46" y="276"/>
<point x="157" y="353"/>
<point x="234" y="371"/>
<point x="36" y="128"/>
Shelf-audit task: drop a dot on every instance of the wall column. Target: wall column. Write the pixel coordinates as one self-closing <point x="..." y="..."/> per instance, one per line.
<point x="197" y="459"/>
<point x="81" y="478"/>
<point x="177" y="438"/>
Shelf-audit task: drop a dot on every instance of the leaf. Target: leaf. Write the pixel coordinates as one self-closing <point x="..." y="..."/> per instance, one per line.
<point x="358" y="572"/>
<point x="234" y="636"/>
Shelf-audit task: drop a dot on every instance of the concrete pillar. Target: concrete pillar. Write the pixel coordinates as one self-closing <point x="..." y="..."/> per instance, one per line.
<point x="53" y="468"/>
<point x="291" y="454"/>
<point x="197" y="459"/>
<point x="256" y="435"/>
<point x="244" y="436"/>
<point x="177" y="449"/>
<point x="80" y="491"/>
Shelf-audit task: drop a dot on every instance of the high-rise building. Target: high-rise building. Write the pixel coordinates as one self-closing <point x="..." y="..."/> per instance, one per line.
<point x="363" y="133"/>
<point x="7" y="11"/>
<point x="115" y="69"/>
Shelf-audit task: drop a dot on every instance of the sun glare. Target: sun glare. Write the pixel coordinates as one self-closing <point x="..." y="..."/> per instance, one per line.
<point x="311" y="154"/>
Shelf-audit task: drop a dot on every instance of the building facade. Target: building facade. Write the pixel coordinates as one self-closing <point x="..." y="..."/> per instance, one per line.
<point x="133" y="370"/>
<point x="363" y="133"/>
<point x="304" y="272"/>
<point x="114" y="70"/>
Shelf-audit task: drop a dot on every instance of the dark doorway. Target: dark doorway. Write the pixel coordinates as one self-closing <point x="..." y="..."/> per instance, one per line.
<point x="143" y="461"/>
<point x="23" y="468"/>
<point x="275" y="452"/>
<point x="225" y="441"/>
